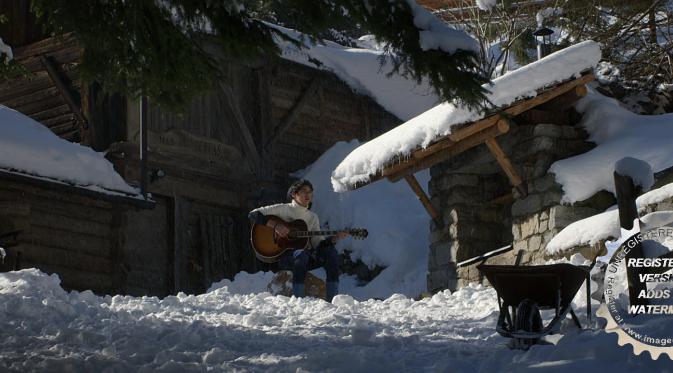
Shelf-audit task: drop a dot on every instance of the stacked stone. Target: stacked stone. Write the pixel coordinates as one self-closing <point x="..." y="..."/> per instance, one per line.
<point x="464" y="187"/>
<point x="470" y="226"/>
<point x="540" y="215"/>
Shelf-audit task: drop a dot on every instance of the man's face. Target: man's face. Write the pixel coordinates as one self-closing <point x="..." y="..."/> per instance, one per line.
<point x="303" y="196"/>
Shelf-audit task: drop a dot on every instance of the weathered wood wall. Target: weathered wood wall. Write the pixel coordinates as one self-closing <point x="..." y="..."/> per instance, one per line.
<point x="76" y="236"/>
<point x="36" y="95"/>
<point x="233" y="149"/>
<point x="225" y="155"/>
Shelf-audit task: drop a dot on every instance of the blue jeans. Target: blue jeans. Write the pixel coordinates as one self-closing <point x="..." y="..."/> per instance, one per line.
<point x="302" y="261"/>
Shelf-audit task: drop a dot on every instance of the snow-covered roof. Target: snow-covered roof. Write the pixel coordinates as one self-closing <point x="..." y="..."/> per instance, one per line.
<point x="618" y="133"/>
<point x="438" y="122"/>
<point x="29" y="148"/>
<point x="600" y="227"/>
<point x="361" y="69"/>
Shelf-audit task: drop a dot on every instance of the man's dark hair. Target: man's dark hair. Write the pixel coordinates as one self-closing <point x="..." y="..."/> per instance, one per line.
<point x="294" y="188"/>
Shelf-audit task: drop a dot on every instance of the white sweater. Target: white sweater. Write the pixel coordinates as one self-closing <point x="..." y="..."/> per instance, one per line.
<point x="293" y="211"/>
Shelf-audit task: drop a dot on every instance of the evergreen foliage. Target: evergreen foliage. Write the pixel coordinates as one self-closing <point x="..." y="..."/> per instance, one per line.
<point x="157" y="48"/>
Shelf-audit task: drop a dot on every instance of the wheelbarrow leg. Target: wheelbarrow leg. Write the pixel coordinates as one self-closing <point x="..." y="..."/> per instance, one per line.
<point x="589" y="299"/>
<point x="577" y="321"/>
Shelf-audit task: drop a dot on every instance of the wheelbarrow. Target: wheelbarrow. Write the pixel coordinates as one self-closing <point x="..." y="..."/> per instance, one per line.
<point x="523" y="291"/>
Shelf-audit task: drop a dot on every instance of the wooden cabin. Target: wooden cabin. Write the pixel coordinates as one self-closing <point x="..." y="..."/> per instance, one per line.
<point x="231" y="151"/>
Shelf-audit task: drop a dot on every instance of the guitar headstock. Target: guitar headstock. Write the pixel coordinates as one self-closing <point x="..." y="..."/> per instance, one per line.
<point x="358" y="233"/>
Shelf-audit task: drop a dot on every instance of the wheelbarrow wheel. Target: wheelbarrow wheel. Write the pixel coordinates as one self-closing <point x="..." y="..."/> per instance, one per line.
<point x="528" y="319"/>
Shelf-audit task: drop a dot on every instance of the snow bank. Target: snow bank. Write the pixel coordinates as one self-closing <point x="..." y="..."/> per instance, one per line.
<point x="605" y="225"/>
<point x="361" y="69"/>
<point x="28" y="147"/>
<point x="44" y="328"/>
<point x="397" y="224"/>
<point x="618" y="132"/>
<point x="437" y="122"/>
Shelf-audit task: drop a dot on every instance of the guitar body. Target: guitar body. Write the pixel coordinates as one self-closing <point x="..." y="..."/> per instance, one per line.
<point x="269" y="247"/>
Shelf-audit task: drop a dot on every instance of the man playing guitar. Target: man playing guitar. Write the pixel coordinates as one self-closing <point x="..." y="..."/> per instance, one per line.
<point x="300" y="260"/>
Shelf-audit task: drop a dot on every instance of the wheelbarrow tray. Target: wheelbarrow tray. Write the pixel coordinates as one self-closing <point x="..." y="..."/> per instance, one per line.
<point x="551" y="286"/>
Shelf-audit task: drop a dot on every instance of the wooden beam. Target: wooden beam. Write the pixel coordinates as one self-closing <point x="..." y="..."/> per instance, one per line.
<point x="469" y="129"/>
<point x="308" y="93"/>
<point x="503" y="200"/>
<point x="458" y="147"/>
<point x="65" y="93"/>
<point x="548" y="95"/>
<point x="565" y="101"/>
<point x="248" y="142"/>
<point x="416" y="187"/>
<point x="505" y="164"/>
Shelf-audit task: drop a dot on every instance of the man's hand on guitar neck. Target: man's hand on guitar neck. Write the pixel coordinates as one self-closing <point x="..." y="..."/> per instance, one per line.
<point x="339" y="236"/>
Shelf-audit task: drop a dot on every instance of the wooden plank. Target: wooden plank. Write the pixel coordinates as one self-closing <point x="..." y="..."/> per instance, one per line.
<point x="504" y="162"/>
<point x="564" y="101"/>
<point x="207" y="246"/>
<point x="75" y="279"/>
<point x="308" y="93"/>
<point x="59" y="120"/>
<point x="418" y="190"/>
<point x="248" y="142"/>
<point x="178" y="242"/>
<point x="67" y="223"/>
<point x="51" y="113"/>
<point x="45" y="46"/>
<point x="67" y="240"/>
<point x="32" y="97"/>
<point x="65" y="57"/>
<point x="40" y="105"/>
<point x="56" y="201"/>
<point x="26" y="85"/>
<point x="457" y="148"/>
<point x="66" y="258"/>
<point x="500" y="127"/>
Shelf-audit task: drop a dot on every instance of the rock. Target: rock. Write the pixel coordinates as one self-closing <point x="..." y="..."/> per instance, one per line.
<point x="281" y="284"/>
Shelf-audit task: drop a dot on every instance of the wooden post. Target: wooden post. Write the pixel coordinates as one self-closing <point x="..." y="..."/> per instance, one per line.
<point x="143" y="146"/>
<point x="506" y="165"/>
<point x="626" y="201"/>
<point x="416" y="187"/>
<point x="65" y="93"/>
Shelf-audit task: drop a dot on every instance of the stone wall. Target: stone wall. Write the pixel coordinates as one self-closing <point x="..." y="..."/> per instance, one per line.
<point x="466" y="190"/>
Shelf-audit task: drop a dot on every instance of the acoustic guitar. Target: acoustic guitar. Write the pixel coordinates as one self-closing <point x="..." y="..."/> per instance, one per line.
<point x="269" y="246"/>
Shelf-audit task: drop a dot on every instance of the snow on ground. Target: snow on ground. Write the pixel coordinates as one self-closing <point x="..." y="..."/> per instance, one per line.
<point x="618" y="133"/>
<point x="27" y="147"/>
<point x="397" y="223"/>
<point x="44" y="328"/>
<point x="438" y="121"/>
<point x="361" y="69"/>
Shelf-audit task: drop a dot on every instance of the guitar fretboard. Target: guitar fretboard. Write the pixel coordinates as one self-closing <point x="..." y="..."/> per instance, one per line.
<point x="313" y="233"/>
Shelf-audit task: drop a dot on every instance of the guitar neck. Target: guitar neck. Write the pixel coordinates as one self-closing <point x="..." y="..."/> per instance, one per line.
<point x="314" y="233"/>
